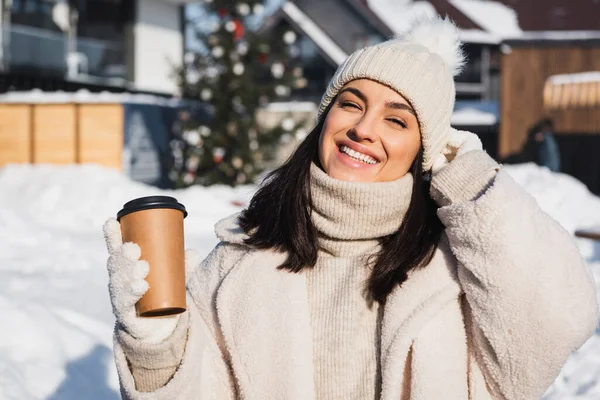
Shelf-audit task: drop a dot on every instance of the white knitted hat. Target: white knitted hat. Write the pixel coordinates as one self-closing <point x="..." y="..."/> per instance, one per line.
<point x="420" y="65"/>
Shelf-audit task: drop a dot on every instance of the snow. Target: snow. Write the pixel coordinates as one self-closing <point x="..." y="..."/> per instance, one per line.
<point x="37" y="96"/>
<point x="399" y="16"/>
<point x="557" y="35"/>
<point x="473" y="112"/>
<point x="494" y="17"/>
<point x="478" y="36"/>
<point x="582" y="77"/>
<point x="316" y="34"/>
<point x="55" y="341"/>
<point x="292" y="106"/>
<point x="472" y="116"/>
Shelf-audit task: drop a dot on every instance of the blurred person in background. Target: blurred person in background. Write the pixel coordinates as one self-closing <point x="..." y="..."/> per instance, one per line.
<point x="541" y="147"/>
<point x="548" y="151"/>
<point x="389" y="258"/>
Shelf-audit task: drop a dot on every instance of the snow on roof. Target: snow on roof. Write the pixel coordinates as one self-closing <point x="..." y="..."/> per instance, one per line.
<point x="475" y="112"/>
<point x="37" y="96"/>
<point x="320" y="38"/>
<point x="398" y="15"/>
<point x="557" y="35"/>
<point x="292" y="106"/>
<point x="492" y="16"/>
<point x="582" y="77"/>
<point x="478" y="36"/>
<point x="472" y="116"/>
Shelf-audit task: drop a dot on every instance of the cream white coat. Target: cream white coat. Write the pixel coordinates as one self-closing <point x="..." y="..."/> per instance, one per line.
<point x="495" y="315"/>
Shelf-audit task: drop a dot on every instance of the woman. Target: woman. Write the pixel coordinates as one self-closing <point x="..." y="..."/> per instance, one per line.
<point x="389" y="258"/>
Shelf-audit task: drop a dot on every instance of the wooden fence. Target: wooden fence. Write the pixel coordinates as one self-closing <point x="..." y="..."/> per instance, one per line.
<point x="62" y="133"/>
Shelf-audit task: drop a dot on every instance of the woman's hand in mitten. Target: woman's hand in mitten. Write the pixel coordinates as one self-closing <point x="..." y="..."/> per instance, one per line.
<point x="463" y="171"/>
<point x="459" y="143"/>
<point x="127" y="285"/>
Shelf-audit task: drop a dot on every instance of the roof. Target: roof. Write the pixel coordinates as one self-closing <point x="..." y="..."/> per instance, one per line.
<point x="362" y="6"/>
<point x="398" y="15"/>
<point x="496" y="21"/>
<point x="37" y="96"/>
<point x="556" y="15"/>
<point x="492" y="16"/>
<point x="553" y="38"/>
<point x="578" y="90"/>
<point x="303" y="23"/>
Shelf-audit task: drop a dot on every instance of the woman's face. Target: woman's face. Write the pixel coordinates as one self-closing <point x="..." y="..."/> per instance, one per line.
<point x="370" y="134"/>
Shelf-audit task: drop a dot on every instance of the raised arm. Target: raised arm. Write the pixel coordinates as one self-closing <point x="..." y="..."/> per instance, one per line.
<point x="529" y="297"/>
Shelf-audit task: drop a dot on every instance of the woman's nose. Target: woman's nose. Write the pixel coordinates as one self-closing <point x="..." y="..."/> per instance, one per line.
<point x="364" y="130"/>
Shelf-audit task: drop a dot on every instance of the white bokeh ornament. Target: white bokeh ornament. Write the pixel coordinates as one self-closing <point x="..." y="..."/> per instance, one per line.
<point x="188" y="178"/>
<point x="289" y="37"/>
<point x="258" y="9"/>
<point x="282" y="90"/>
<point x="192" y="163"/>
<point x="192" y="76"/>
<point x="230" y="26"/>
<point x="206" y="94"/>
<point x="218" y="52"/>
<point x="277" y="69"/>
<point x="238" y="68"/>
<point x="192" y="137"/>
<point x="237" y="163"/>
<point x="204" y="130"/>
<point x="243" y="9"/>
<point x="211" y="72"/>
<point x="287" y="124"/>
<point x="189" y="57"/>
<point x="242" y="48"/>
<point x="300" y="133"/>
<point x="301" y="83"/>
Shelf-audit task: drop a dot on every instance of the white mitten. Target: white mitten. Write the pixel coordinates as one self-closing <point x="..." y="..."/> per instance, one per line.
<point x="127" y="284"/>
<point x="459" y="143"/>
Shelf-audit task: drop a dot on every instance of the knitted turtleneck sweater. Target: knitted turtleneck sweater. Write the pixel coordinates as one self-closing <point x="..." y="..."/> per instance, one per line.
<point x="349" y="218"/>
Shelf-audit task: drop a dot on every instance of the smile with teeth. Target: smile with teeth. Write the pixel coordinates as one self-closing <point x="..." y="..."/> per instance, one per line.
<point x="357" y="156"/>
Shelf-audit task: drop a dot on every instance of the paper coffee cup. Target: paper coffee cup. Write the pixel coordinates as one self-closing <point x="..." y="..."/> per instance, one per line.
<point x="155" y="223"/>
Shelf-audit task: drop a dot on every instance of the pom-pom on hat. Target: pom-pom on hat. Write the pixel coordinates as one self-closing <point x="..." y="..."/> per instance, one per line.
<point x="420" y="64"/>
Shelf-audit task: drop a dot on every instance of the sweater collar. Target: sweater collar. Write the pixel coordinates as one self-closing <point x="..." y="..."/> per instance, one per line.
<point x="350" y="217"/>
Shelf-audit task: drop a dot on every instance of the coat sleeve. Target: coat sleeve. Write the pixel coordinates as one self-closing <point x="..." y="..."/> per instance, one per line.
<point x="187" y="365"/>
<point x="529" y="297"/>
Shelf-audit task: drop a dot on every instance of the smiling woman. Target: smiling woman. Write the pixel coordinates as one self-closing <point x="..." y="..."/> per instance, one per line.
<point x="371" y="134"/>
<point x="389" y="258"/>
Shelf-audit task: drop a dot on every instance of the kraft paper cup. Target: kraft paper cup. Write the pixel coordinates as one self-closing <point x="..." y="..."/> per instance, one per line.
<point x="155" y="223"/>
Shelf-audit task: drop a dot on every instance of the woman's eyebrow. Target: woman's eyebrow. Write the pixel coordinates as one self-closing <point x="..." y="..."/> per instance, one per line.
<point x="355" y="92"/>
<point x="400" y="106"/>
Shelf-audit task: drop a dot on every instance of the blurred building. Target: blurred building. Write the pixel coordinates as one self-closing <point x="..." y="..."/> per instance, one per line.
<point x="99" y="45"/>
<point x="91" y="81"/>
<point x="513" y="47"/>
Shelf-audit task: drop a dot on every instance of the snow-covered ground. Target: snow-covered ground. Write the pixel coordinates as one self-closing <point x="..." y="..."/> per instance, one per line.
<point x="55" y="335"/>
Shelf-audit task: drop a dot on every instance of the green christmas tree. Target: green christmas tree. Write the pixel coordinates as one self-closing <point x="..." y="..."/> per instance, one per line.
<point x="240" y="69"/>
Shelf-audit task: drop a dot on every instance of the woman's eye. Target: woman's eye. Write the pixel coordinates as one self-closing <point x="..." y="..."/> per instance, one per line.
<point x="397" y="122"/>
<point x="346" y="104"/>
